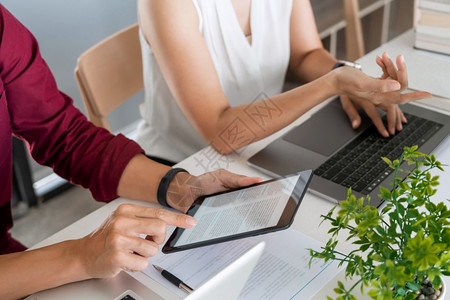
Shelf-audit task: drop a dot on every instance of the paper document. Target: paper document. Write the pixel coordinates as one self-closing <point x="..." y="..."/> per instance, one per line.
<point x="281" y="273"/>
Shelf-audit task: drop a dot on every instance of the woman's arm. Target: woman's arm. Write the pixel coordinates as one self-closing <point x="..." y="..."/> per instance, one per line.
<point x="172" y="28"/>
<point x="309" y="61"/>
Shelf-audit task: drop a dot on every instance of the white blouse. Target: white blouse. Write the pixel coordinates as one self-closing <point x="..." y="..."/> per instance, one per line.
<point x="247" y="72"/>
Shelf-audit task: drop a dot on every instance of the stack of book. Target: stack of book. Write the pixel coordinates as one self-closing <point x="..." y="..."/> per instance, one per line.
<point x="433" y="26"/>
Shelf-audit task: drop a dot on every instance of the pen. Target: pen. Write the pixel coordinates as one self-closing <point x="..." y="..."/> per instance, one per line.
<point x="173" y="279"/>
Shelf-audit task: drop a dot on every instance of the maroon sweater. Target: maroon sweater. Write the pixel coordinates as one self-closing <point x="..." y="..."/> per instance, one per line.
<point x="57" y="134"/>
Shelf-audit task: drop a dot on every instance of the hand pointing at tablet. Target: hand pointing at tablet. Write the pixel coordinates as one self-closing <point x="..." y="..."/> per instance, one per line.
<point x="117" y="245"/>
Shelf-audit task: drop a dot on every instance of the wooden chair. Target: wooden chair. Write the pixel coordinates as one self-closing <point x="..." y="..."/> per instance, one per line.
<point x="353" y="30"/>
<point x="110" y="73"/>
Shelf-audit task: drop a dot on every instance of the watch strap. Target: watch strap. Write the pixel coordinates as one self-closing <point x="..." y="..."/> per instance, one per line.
<point x="342" y="63"/>
<point x="161" y="194"/>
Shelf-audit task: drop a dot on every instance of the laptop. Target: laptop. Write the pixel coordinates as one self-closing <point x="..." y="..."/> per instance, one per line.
<point x="342" y="157"/>
<point x="227" y="284"/>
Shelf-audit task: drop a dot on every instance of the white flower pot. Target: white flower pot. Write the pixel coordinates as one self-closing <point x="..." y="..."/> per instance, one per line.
<point x="443" y="291"/>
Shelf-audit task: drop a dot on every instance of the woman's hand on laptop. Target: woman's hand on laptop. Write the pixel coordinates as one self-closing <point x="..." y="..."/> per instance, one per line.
<point x="185" y="188"/>
<point x="386" y="92"/>
<point x="117" y="244"/>
<point x="394" y="115"/>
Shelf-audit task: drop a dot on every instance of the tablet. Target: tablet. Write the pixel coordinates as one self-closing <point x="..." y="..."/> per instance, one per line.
<point x="261" y="208"/>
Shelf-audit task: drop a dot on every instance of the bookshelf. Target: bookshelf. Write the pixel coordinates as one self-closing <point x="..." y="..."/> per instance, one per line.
<point x="381" y="21"/>
<point x="432" y="25"/>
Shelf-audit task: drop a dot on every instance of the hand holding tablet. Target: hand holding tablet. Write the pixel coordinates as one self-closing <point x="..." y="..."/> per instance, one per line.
<point x="261" y="208"/>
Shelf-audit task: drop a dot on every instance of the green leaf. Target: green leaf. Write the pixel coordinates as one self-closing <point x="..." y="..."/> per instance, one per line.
<point x="422" y="251"/>
<point x="401" y="209"/>
<point x="413" y="286"/>
<point x="385" y="194"/>
<point x="388" y="161"/>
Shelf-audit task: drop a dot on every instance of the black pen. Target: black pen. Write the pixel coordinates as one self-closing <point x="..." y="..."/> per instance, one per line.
<point x="173" y="279"/>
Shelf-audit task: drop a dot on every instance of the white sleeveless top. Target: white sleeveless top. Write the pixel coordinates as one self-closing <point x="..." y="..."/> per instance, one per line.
<point x="246" y="71"/>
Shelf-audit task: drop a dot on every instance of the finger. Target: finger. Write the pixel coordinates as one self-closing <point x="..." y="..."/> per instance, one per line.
<point x="225" y="180"/>
<point x="400" y="117"/>
<point x="120" y="254"/>
<point x="127" y="226"/>
<point x="402" y="73"/>
<point x="380" y="63"/>
<point x="374" y="115"/>
<point x="144" y="247"/>
<point x="132" y="244"/>
<point x="168" y="217"/>
<point x="153" y="227"/>
<point x="396" y="97"/>
<point x="391" y="70"/>
<point x="412" y="96"/>
<point x="246" y="181"/>
<point x="403" y="117"/>
<point x="133" y="263"/>
<point x="391" y="116"/>
<point x="351" y="111"/>
<point x="379" y="85"/>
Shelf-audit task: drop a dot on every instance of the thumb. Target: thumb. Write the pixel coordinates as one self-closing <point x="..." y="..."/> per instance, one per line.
<point x="374" y="85"/>
<point x="386" y="85"/>
<point x="246" y="181"/>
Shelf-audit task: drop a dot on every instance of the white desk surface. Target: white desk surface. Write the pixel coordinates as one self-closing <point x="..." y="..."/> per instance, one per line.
<point x="308" y="216"/>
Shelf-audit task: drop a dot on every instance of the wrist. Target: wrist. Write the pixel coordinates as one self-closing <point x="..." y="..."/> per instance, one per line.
<point x="166" y="181"/>
<point x="341" y="69"/>
<point x="182" y="191"/>
<point x="332" y="82"/>
<point x="78" y="260"/>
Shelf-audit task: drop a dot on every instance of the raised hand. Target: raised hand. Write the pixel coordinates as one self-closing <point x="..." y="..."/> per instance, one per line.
<point x="385" y="93"/>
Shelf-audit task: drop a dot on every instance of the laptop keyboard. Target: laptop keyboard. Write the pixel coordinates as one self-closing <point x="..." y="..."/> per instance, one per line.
<point x="359" y="165"/>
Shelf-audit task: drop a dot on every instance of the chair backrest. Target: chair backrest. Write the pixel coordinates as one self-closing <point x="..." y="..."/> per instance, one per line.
<point x="353" y="30"/>
<point x="110" y="73"/>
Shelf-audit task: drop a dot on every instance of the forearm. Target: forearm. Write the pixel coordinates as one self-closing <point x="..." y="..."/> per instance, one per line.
<point x="141" y="178"/>
<point x="239" y="126"/>
<point x="314" y="65"/>
<point x="24" y="273"/>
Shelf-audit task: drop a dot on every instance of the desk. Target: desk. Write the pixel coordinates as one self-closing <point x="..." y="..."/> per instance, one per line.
<point x="306" y="221"/>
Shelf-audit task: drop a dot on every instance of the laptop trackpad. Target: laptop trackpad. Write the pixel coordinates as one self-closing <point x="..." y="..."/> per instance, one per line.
<point x="325" y="132"/>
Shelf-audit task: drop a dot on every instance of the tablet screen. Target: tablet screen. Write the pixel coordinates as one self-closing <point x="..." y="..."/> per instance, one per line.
<point x="261" y="208"/>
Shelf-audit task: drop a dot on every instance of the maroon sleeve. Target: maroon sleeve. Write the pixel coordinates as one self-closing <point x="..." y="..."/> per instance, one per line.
<point x="57" y="133"/>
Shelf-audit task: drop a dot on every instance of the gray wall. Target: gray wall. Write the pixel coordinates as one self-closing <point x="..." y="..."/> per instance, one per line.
<point x="65" y="29"/>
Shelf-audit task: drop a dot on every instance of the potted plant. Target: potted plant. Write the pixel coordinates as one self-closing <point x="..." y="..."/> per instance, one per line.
<point x="402" y="250"/>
